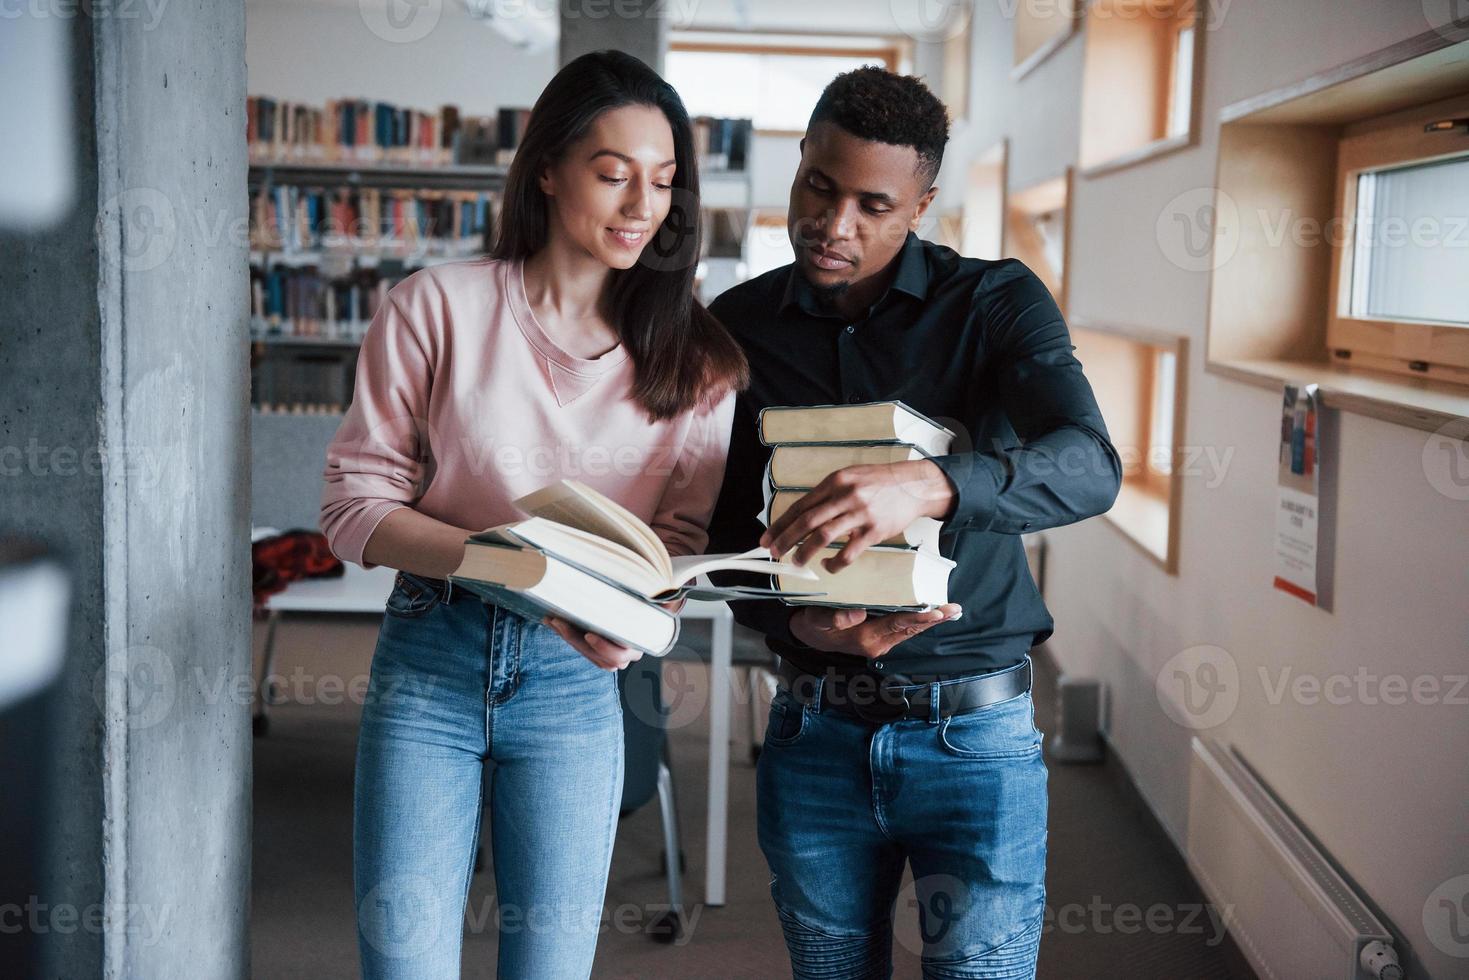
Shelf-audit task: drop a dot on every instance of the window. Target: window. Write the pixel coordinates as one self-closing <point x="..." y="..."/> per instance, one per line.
<point x="1037" y="231"/>
<point x="1140" y="68"/>
<point x="777" y="87"/>
<point x="1410" y="256"/>
<point x="1338" y="240"/>
<point x="984" y="204"/>
<point x="1137" y="384"/>
<point x="1401" y="269"/>
<point x="768" y="245"/>
<point x="1181" y="82"/>
<point x="1041" y="27"/>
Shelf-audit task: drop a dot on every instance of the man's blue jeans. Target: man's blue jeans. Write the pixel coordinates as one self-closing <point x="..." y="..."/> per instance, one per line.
<point x="456" y="682"/>
<point x="845" y="802"/>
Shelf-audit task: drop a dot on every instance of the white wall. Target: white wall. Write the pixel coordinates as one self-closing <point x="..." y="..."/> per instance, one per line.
<point x="1384" y="787"/>
<point x="312" y="51"/>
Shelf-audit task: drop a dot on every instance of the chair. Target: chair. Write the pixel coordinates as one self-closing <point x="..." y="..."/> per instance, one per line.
<point x="647" y="772"/>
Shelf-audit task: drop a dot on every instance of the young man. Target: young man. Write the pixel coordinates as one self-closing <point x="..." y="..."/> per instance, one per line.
<point x="908" y="736"/>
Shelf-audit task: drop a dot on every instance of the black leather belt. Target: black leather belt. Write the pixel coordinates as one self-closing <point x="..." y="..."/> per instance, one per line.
<point x="883" y="699"/>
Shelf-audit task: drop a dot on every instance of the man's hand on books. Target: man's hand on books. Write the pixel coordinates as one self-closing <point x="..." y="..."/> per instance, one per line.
<point x="598" y="649"/>
<point x="853" y="631"/>
<point x="865" y="505"/>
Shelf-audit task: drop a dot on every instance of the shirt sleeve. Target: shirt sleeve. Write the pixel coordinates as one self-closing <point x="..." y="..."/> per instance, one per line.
<point x="681" y="519"/>
<point x="377" y="461"/>
<point x="1066" y="468"/>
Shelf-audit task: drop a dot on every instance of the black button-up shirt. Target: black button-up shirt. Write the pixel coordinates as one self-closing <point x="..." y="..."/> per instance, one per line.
<point x="981" y="348"/>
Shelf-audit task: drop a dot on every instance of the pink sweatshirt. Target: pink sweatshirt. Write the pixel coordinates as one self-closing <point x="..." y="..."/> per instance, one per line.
<point x="456" y="357"/>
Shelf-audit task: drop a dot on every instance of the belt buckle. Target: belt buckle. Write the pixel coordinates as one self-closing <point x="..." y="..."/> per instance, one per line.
<point x="890" y="704"/>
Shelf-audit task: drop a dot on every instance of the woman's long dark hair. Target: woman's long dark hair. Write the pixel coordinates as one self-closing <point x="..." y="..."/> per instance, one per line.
<point x="680" y="353"/>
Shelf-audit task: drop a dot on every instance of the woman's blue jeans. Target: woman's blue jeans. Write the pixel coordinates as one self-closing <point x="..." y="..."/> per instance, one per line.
<point x="456" y="683"/>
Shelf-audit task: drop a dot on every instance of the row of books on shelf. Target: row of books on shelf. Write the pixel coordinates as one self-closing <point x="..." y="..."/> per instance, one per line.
<point x="349" y="131"/>
<point x="721" y="143"/>
<point x="303" y="302"/>
<point x="581" y="556"/>
<point x="365" y="131"/>
<point x="298" y="408"/>
<point x="281" y="382"/>
<point x="289" y="218"/>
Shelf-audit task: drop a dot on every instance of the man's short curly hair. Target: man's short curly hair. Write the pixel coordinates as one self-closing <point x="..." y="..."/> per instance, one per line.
<point x="873" y="103"/>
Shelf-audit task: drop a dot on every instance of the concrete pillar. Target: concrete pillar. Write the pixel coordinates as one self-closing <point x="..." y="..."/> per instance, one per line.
<point x="638" y="27"/>
<point x="124" y="442"/>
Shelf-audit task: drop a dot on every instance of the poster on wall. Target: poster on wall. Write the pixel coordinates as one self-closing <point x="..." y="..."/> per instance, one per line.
<point x="1298" y="513"/>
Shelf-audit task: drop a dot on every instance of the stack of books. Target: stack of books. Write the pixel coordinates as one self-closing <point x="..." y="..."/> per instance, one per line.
<point x="585" y="558"/>
<point x="904" y="572"/>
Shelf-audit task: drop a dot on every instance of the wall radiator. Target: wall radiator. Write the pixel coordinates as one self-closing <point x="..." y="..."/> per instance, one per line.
<point x="1292" y="915"/>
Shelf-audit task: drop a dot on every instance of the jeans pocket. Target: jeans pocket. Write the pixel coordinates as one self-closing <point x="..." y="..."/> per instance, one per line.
<point x="1000" y="731"/>
<point x="787" y="719"/>
<point x="413" y="596"/>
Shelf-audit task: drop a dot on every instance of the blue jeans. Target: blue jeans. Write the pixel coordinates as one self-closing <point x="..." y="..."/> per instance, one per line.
<point x="845" y="802"/>
<point x="455" y="683"/>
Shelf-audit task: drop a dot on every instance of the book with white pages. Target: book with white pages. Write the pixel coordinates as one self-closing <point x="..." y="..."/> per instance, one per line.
<point x="922" y="533"/>
<point x="797" y="467"/>
<point x="577" y="524"/>
<point x="869" y="422"/>
<point x="882" y="579"/>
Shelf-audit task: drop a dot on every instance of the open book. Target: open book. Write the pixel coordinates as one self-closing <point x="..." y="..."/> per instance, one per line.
<point x="576" y="524"/>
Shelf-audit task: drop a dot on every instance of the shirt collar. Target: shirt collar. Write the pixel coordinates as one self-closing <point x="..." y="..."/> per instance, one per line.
<point x="911" y="278"/>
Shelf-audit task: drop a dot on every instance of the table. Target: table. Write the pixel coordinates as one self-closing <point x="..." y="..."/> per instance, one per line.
<point x="365" y="590"/>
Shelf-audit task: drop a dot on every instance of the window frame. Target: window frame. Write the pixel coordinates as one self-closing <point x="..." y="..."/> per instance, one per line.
<point x="1416" y="348"/>
<point x="889" y="51"/>
<point x="1094" y="164"/>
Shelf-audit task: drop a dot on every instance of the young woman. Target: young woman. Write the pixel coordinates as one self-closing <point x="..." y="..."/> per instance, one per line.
<point x="576" y="349"/>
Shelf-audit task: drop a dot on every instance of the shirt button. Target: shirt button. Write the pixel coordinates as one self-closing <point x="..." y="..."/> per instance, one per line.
<point x="878" y="665"/>
<point x="851" y="329"/>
